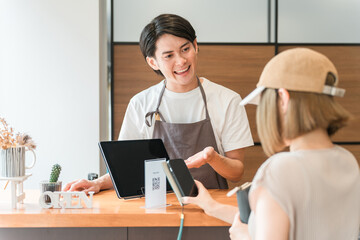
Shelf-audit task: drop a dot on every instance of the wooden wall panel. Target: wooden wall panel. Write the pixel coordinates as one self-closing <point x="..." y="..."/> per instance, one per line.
<point x="347" y="62"/>
<point x="238" y="68"/>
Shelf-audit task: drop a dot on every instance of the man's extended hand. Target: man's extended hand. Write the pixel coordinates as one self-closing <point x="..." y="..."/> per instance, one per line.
<point x="205" y="156"/>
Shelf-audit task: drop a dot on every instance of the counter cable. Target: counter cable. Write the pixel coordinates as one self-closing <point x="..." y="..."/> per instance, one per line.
<point x="181" y="223"/>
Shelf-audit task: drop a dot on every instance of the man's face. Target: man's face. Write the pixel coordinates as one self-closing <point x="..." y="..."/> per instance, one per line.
<point x="176" y="58"/>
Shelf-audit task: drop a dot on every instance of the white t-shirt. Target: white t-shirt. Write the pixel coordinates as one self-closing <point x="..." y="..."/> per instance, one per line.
<point x="319" y="190"/>
<point x="228" y="118"/>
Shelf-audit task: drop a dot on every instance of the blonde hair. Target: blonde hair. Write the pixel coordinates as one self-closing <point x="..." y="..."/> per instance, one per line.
<point x="306" y="112"/>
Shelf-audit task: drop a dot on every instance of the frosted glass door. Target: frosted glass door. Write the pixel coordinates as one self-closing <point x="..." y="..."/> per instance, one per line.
<point x="213" y="20"/>
<point x="319" y="21"/>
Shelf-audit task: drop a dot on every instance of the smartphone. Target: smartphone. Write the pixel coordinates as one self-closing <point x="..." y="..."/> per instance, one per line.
<point x="182" y="177"/>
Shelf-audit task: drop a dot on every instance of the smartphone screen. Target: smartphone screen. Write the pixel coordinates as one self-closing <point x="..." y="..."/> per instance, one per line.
<point x="183" y="177"/>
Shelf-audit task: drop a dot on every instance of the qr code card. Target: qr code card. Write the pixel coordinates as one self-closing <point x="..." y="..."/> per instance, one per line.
<point x="155" y="183"/>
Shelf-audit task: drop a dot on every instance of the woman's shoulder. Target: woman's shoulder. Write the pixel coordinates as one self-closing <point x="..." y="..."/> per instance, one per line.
<point x="279" y="164"/>
<point x="343" y="151"/>
<point x="279" y="174"/>
<point x="294" y="163"/>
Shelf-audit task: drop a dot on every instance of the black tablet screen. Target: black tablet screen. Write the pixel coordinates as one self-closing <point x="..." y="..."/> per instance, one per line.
<point x="125" y="163"/>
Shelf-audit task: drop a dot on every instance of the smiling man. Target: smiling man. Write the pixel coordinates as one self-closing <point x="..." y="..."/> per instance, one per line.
<point x="198" y="120"/>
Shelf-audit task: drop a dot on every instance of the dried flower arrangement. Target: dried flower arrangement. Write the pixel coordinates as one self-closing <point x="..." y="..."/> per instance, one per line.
<point x="8" y="139"/>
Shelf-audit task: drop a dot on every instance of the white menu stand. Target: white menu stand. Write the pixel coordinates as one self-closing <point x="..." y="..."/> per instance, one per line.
<point x="17" y="191"/>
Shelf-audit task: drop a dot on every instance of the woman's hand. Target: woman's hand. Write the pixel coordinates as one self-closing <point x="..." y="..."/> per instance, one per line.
<point x="203" y="199"/>
<point x="210" y="206"/>
<point x="239" y="230"/>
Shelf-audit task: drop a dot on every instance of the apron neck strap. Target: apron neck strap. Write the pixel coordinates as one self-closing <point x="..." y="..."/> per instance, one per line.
<point x="204" y="97"/>
<point x="151" y="114"/>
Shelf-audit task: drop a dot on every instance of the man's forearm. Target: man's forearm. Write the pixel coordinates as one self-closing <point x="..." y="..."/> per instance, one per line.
<point x="104" y="182"/>
<point x="230" y="168"/>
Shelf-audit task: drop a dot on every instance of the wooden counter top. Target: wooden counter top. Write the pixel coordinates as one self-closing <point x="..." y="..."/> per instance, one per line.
<point x="108" y="211"/>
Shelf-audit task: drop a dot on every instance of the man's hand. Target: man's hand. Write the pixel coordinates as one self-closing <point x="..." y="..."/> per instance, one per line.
<point x="82" y="185"/>
<point x="205" y="156"/>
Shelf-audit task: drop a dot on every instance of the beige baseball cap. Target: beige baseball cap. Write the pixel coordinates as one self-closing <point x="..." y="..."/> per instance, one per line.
<point x="297" y="69"/>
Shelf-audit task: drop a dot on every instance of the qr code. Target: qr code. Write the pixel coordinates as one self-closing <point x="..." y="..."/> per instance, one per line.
<point x="156" y="183"/>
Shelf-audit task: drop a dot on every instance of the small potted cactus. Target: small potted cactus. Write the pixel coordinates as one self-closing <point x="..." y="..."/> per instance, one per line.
<point x="55" y="172"/>
<point x="53" y="185"/>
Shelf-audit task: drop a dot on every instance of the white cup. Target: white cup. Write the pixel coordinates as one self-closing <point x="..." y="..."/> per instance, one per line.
<point x="12" y="162"/>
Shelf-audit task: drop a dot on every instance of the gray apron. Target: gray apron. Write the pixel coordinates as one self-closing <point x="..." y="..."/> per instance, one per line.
<point x="183" y="140"/>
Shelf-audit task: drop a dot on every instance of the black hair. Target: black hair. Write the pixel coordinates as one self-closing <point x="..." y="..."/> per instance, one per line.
<point x="164" y="24"/>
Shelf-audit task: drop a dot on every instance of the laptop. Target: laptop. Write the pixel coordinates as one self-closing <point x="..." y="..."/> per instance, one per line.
<point x="125" y="163"/>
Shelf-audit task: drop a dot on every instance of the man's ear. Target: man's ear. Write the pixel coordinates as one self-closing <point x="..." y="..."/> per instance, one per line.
<point x="152" y="63"/>
<point x="196" y="46"/>
<point x="284" y="98"/>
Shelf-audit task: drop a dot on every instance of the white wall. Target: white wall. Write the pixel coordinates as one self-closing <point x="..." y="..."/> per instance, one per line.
<point x="49" y="81"/>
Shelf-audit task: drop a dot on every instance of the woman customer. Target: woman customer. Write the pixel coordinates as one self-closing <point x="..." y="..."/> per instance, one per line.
<point x="312" y="191"/>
